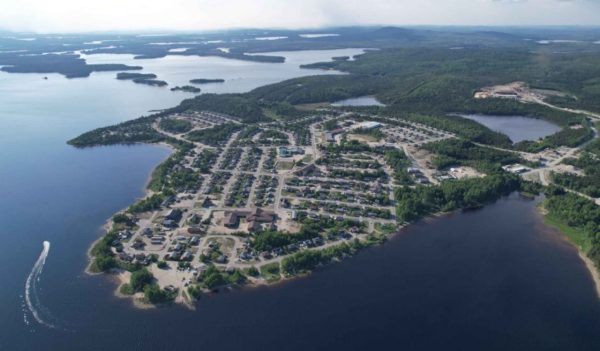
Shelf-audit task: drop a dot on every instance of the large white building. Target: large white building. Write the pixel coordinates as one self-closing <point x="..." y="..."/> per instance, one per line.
<point x="369" y="125"/>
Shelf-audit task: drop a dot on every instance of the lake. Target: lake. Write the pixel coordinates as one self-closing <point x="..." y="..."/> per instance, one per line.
<point x="358" y="101"/>
<point x="517" y="128"/>
<point x="493" y="279"/>
<point x="240" y="76"/>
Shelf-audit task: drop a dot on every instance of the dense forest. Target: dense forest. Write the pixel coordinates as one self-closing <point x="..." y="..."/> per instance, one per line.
<point x="569" y="137"/>
<point x="589" y="182"/>
<point x="173" y="125"/>
<point x="215" y="136"/>
<point x="577" y="217"/>
<point x="135" y="131"/>
<point x="456" y="152"/>
<point x="415" y="203"/>
<point x="421" y="84"/>
<point x="239" y="105"/>
<point x="72" y="66"/>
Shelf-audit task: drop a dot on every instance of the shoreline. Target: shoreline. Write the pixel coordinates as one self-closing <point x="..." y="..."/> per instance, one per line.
<point x="592" y="269"/>
<point x="589" y="264"/>
<point x="108" y="224"/>
<point x="121" y="277"/>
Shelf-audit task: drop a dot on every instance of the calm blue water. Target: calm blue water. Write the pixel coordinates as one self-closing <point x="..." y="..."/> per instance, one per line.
<point x="495" y="279"/>
<point x="240" y="76"/>
<point x="517" y="128"/>
<point x="51" y="191"/>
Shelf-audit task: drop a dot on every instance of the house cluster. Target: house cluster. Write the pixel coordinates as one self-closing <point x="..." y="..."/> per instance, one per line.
<point x="505" y="94"/>
<point x="417" y="175"/>
<point x="156" y="238"/>
<point x="214" y="118"/>
<point x="172" y="219"/>
<point x="376" y="198"/>
<point x="255" y="219"/>
<point x="415" y="134"/>
<point x="330" y="135"/>
<point x="249" y="254"/>
<point x="516" y="168"/>
<point x="310" y="170"/>
<point x="182" y="248"/>
<point x="137" y="258"/>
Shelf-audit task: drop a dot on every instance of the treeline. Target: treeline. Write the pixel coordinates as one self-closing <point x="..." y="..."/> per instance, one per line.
<point x="576" y="73"/>
<point x="269" y="240"/>
<point x="136" y="131"/>
<point x="582" y="218"/>
<point x="314" y="89"/>
<point x="242" y="56"/>
<point x="594" y="146"/>
<point x="215" y="136"/>
<point x="460" y="126"/>
<point x="71" y="66"/>
<point x="160" y="174"/>
<point x="141" y="280"/>
<point x="283" y="111"/>
<point x="308" y="260"/>
<point x="399" y="163"/>
<point x="238" y="105"/>
<point x="176" y="126"/>
<point x="104" y="259"/>
<point x="508" y="107"/>
<point x="352" y="146"/>
<point x="150" y="203"/>
<point x="569" y="137"/>
<point x="453" y="152"/>
<point x="374" y="133"/>
<point x="418" y="202"/>
<point x="431" y="81"/>
<point x="418" y="84"/>
<point x="589" y="183"/>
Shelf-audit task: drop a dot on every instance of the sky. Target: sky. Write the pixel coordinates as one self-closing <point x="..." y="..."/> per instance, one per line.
<point x="196" y="15"/>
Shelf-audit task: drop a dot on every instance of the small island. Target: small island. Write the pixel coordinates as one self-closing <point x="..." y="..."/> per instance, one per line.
<point x="151" y="82"/>
<point x="206" y="81"/>
<point x="187" y="89"/>
<point x="142" y="78"/>
<point x="131" y="76"/>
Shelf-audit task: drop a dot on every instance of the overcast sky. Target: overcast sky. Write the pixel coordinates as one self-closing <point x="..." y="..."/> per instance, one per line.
<point x="135" y="15"/>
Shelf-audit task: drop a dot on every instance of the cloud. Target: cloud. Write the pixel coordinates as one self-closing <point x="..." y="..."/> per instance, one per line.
<point x="135" y="15"/>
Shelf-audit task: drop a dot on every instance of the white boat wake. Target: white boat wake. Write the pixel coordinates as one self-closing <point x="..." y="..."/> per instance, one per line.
<point x="32" y="300"/>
